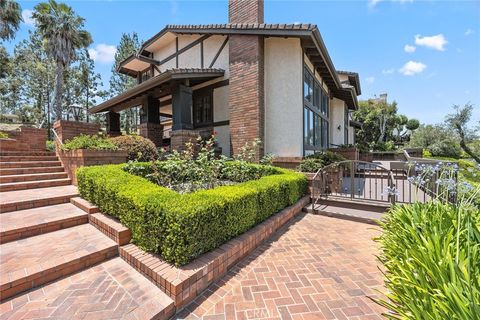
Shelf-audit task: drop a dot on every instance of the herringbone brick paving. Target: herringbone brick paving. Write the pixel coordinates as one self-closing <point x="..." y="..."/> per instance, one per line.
<point x="315" y="268"/>
<point x="110" y="290"/>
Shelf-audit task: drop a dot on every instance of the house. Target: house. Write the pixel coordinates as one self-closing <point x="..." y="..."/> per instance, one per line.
<point x="242" y="80"/>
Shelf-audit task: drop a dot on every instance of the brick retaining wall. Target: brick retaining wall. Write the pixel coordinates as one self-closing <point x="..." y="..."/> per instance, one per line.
<point x="27" y="139"/>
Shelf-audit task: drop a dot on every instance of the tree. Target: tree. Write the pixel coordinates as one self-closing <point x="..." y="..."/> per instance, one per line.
<point x="129" y="44"/>
<point x="62" y="30"/>
<point x="10" y="18"/>
<point x="458" y="121"/>
<point x="427" y="135"/>
<point x="382" y="126"/>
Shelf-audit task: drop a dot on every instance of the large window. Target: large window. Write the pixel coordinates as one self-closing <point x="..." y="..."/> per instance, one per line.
<point x="315" y="114"/>
<point x="203" y="108"/>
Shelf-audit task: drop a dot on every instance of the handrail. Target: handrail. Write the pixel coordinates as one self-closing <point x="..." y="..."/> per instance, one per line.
<point x="57" y="137"/>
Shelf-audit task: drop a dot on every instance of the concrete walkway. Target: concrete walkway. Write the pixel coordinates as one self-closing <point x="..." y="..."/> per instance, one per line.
<point x="315" y="268"/>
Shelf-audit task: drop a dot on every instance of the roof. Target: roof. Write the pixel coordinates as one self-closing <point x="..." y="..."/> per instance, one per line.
<point x="131" y="97"/>
<point x="312" y="42"/>
<point x="353" y="78"/>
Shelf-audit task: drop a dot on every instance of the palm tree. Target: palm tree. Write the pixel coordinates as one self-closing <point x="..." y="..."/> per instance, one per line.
<point x="10" y="18"/>
<point x="62" y="30"/>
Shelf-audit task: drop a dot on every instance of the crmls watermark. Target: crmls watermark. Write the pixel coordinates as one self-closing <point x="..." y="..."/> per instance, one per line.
<point x="260" y="313"/>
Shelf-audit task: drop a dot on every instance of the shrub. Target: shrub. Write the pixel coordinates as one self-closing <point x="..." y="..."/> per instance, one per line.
<point x="445" y="148"/>
<point x="431" y="253"/>
<point x="93" y="142"/>
<point x="138" y="147"/>
<point x="182" y="227"/>
<point x="3" y="135"/>
<point x="50" y="145"/>
<point x="316" y="161"/>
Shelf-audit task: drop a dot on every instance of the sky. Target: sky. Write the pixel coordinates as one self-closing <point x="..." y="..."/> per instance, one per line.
<point x="424" y="54"/>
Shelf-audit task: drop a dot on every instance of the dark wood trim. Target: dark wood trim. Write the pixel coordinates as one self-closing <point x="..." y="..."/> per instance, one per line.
<point x="218" y="52"/>
<point x="148" y="60"/>
<point x="212" y="86"/>
<point x="166" y="102"/>
<point x="176" y="52"/>
<point x="187" y="47"/>
<point x="213" y="124"/>
<point x="201" y="54"/>
<point x="166" y="115"/>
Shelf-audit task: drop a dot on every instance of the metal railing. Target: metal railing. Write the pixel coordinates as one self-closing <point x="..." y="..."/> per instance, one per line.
<point x="366" y="181"/>
<point x="57" y="137"/>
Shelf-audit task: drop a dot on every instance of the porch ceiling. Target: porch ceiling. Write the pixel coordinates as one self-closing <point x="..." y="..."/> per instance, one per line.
<point x="157" y="86"/>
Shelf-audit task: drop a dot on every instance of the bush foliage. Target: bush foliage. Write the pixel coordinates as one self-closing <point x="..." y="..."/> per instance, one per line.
<point x="431" y="253"/>
<point x="94" y="142"/>
<point x="181" y="227"/>
<point x="316" y="161"/>
<point x="138" y="147"/>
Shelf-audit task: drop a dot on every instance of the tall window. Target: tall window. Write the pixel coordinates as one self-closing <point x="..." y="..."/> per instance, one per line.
<point x="203" y="108"/>
<point x="315" y="114"/>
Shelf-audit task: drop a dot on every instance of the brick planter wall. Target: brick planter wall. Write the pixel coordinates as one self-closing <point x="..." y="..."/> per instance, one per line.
<point x="180" y="137"/>
<point x="347" y="153"/>
<point x="291" y="163"/>
<point x="67" y="130"/>
<point x="72" y="160"/>
<point x="27" y="139"/>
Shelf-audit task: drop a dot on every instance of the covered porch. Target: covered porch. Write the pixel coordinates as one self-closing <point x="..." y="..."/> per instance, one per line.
<point x="166" y="106"/>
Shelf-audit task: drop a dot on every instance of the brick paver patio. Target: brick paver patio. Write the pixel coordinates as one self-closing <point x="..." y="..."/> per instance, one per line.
<point x="315" y="268"/>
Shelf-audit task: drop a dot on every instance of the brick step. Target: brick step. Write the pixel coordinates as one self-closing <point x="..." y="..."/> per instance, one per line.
<point x="27" y="158"/>
<point x="33" y="177"/>
<point x="27" y="153"/>
<point x="109" y="290"/>
<point x="31" y="262"/>
<point x="342" y="212"/>
<point x="29" y="164"/>
<point x="24" y="185"/>
<point x="33" y="198"/>
<point x="84" y="205"/>
<point x="30" y="170"/>
<point x="31" y="222"/>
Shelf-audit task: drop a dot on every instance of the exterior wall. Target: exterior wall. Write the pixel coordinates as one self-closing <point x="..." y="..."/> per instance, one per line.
<point x="221" y="113"/>
<point x="351" y="135"/>
<point x="246" y="99"/>
<point x="192" y="57"/>
<point x="337" y="111"/>
<point x="283" y="97"/>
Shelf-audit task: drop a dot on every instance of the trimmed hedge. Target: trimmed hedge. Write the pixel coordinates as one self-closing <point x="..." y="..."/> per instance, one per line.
<point x="181" y="227"/>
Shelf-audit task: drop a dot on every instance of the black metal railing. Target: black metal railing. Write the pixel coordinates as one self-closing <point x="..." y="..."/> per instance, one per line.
<point x="367" y="181"/>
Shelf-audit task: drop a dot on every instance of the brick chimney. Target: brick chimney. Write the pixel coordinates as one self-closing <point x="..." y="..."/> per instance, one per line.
<point x="246" y="66"/>
<point x="245" y="11"/>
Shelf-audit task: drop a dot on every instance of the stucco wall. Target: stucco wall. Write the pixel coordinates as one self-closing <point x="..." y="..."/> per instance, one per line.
<point x="283" y="97"/>
<point x="192" y="57"/>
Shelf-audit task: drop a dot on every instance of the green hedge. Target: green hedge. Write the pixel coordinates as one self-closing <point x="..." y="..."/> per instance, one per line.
<point x="431" y="254"/>
<point x="182" y="227"/>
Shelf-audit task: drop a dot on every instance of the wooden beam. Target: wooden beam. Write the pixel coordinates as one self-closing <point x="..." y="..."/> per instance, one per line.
<point x="218" y="52"/>
<point x="187" y="47"/>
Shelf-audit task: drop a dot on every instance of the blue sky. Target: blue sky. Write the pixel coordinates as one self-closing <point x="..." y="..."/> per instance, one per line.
<point x="424" y="54"/>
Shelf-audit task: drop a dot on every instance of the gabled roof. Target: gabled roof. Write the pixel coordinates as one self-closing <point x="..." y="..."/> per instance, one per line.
<point x="353" y="78"/>
<point x="309" y="34"/>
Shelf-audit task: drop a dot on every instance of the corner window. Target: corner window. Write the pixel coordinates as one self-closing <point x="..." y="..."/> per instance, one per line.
<point x="315" y="114"/>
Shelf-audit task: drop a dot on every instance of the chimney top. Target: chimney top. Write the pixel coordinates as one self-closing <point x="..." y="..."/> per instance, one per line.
<point x="245" y="11"/>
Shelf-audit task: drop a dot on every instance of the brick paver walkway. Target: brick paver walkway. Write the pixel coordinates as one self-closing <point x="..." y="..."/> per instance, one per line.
<point x="315" y="268"/>
<point x="110" y="290"/>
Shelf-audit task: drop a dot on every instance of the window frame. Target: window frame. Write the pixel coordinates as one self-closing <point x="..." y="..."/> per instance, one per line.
<point x="318" y="105"/>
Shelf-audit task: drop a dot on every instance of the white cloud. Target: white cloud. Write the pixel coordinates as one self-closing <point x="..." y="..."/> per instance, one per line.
<point x="411" y="68"/>
<point x="370" y="80"/>
<point x="388" y="71"/>
<point x="408" y="48"/>
<point x="373" y="3"/>
<point x="103" y="53"/>
<point x="437" y="42"/>
<point x="469" y="32"/>
<point x="27" y="17"/>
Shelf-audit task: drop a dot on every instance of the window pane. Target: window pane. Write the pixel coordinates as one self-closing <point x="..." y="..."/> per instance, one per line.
<point x="305" y="126"/>
<point x="307" y="86"/>
<point x="318" y="131"/>
<point x="317" y="96"/>
<point x="311" y="128"/>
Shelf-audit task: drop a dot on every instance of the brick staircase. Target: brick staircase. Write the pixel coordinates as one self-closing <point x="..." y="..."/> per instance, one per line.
<point x="58" y="255"/>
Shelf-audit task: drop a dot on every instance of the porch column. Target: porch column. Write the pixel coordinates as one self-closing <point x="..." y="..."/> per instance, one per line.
<point x="113" y="124"/>
<point x="150" y="126"/>
<point x="182" y="110"/>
